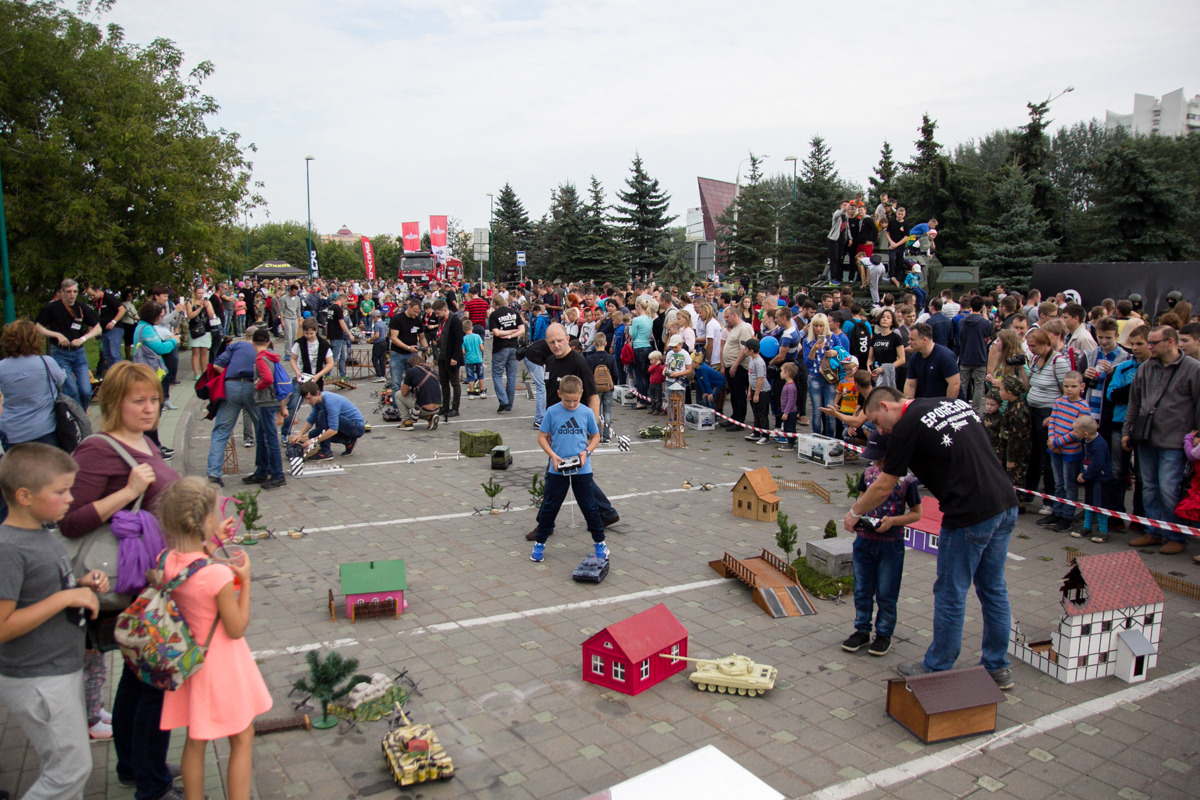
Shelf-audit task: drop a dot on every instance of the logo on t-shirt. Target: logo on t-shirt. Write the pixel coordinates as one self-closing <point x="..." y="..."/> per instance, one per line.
<point x="570" y="427"/>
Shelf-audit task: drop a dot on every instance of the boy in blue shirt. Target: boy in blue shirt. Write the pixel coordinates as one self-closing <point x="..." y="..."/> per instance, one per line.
<point x="568" y="430"/>
<point x="473" y="358"/>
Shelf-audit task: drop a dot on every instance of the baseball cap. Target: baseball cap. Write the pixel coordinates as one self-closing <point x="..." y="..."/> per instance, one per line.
<point x="675" y="341"/>
<point x="876" y="446"/>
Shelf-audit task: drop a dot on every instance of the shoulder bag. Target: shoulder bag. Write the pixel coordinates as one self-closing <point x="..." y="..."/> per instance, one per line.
<point x="71" y="423"/>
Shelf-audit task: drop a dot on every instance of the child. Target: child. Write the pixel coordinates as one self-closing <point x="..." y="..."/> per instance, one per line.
<point x="41" y="633"/>
<point x="912" y="282"/>
<point x="787" y="404"/>
<point x="656" y="382"/>
<point x="856" y="422"/>
<point x="847" y="398"/>
<point x="1017" y="438"/>
<point x="600" y="358"/>
<point x="473" y="358"/>
<point x="379" y="345"/>
<point x="618" y="346"/>
<point x="1096" y="476"/>
<point x="239" y="308"/>
<point x="222" y="699"/>
<point x="1189" y="507"/>
<point x="993" y="423"/>
<point x="879" y="554"/>
<point x="587" y="329"/>
<point x="760" y="392"/>
<point x="1066" y="452"/>
<point x="568" y="430"/>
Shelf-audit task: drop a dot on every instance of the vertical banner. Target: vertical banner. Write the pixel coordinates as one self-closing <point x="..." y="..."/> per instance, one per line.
<point x="314" y="269"/>
<point x="437" y="238"/>
<point x="410" y="234"/>
<point x="368" y="258"/>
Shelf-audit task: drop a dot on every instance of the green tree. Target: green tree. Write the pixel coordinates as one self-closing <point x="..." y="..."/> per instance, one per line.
<point x="108" y="157"/>
<point x="566" y="231"/>
<point x="1032" y="150"/>
<point x="280" y="241"/>
<point x="511" y="231"/>
<point x="819" y="190"/>
<point x="1014" y="238"/>
<point x="746" y="229"/>
<point x="387" y="250"/>
<point x="932" y="186"/>
<point x="885" y="172"/>
<point x="643" y="220"/>
<point x="679" y="272"/>
<point x="599" y="254"/>
<point x="1136" y="215"/>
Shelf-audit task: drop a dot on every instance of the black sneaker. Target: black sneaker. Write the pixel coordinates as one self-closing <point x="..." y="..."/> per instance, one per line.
<point x="880" y="646"/>
<point x="1046" y="522"/>
<point x="216" y="480"/>
<point x="167" y="453"/>
<point x="350" y="448"/>
<point x="247" y="441"/>
<point x="275" y="483"/>
<point x="856" y="641"/>
<point x="610" y="521"/>
<point x="1003" y="678"/>
<point x="1062" y="524"/>
<point x="500" y="409"/>
<point x="254" y="479"/>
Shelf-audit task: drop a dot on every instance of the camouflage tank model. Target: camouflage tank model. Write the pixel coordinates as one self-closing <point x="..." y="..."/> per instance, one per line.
<point x="730" y="675"/>
<point x="414" y="754"/>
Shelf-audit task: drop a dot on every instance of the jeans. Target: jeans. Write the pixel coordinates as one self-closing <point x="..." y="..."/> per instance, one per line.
<point x="141" y="747"/>
<point x="537" y="374"/>
<point x="1162" y="475"/>
<point x="110" y="345"/>
<point x="267" y="460"/>
<point x="975" y="554"/>
<point x="50" y="710"/>
<point x="641" y="372"/>
<point x="171" y="362"/>
<point x="552" y="500"/>
<point x="339" y="347"/>
<point x="349" y="431"/>
<point x="973" y="384"/>
<point x="75" y="364"/>
<point x="504" y="375"/>
<point x="878" y="566"/>
<point x="398" y="363"/>
<point x="606" y="401"/>
<point x="239" y="397"/>
<point x="1066" y="484"/>
<point x="821" y="393"/>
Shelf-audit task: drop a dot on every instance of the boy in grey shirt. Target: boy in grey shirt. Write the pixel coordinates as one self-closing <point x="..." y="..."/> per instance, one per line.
<point x="760" y="392"/>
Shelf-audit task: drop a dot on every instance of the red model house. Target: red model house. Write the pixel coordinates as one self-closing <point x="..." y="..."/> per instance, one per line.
<point x="625" y="656"/>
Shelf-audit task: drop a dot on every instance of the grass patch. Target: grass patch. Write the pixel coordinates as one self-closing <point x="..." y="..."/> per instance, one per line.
<point x="820" y="585"/>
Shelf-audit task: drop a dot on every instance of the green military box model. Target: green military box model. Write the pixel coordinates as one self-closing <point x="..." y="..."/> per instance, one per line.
<point x="501" y="457"/>
<point x="477" y="444"/>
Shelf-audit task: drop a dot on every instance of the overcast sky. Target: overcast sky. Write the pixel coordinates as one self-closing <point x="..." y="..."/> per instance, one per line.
<point x="413" y="108"/>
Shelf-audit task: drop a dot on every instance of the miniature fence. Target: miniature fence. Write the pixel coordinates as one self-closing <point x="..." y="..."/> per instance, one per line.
<point x="779" y="564"/>
<point x="803" y="486"/>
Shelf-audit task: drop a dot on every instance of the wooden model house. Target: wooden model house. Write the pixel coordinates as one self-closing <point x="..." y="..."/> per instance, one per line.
<point x="1111" y="622"/>
<point x="754" y="496"/>
<point x="625" y="656"/>
<point x="945" y="705"/>
<point x="374" y="588"/>
<point x="925" y="532"/>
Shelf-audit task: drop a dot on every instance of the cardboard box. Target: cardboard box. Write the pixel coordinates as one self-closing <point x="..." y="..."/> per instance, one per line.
<point x="821" y="450"/>
<point x="699" y="418"/>
<point x="623" y="396"/>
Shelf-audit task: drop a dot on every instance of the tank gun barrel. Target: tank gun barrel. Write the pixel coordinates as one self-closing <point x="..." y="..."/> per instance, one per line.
<point x="684" y="658"/>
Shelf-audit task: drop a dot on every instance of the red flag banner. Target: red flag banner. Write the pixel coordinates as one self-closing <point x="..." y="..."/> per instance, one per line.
<point x="437" y="236"/>
<point x="368" y="258"/>
<point x="410" y="232"/>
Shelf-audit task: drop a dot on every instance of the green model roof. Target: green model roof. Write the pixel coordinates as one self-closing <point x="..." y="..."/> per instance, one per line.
<point x="370" y="577"/>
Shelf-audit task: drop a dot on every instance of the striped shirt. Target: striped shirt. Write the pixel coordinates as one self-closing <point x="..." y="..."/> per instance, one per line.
<point x="1062" y="417"/>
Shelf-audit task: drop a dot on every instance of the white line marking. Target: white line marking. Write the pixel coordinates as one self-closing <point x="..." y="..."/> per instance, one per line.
<point x="459" y="515"/>
<point x="953" y="755"/>
<point x="447" y="456"/>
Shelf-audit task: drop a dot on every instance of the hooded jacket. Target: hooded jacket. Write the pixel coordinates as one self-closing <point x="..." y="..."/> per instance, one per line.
<point x="972" y="344"/>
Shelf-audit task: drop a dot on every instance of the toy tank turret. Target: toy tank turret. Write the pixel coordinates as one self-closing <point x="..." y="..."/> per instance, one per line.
<point x="730" y="675"/>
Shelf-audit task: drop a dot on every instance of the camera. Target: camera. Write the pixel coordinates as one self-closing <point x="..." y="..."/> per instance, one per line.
<point x="1016" y="361"/>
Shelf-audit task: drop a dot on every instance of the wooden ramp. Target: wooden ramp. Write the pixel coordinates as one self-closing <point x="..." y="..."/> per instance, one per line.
<point x="774" y="584"/>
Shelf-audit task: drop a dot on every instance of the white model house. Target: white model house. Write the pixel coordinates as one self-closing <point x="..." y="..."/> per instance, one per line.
<point x="1111" y="623"/>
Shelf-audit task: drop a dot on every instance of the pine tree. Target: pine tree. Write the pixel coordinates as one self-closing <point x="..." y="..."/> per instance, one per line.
<point x="885" y="172"/>
<point x="746" y="228"/>
<point x="511" y="231"/>
<point x="566" y="232"/>
<point x="1136" y="214"/>
<point x="932" y="186"/>
<point x="1032" y="149"/>
<point x="599" y="254"/>
<point x="325" y="681"/>
<point x="1016" y="237"/>
<point x="803" y="238"/>
<point x="643" y="220"/>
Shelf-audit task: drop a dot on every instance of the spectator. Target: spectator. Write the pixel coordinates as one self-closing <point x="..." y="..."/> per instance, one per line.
<point x="941" y="323"/>
<point x="1065" y="451"/>
<point x="450" y="357"/>
<point x="1015" y="433"/>
<point x="1046" y="373"/>
<point x="733" y="358"/>
<point x="640" y="332"/>
<point x="69" y="324"/>
<point x="30" y="383"/>
<point x="333" y="420"/>
<point x="972" y="345"/>
<point x="1078" y="336"/>
<point x="200" y="339"/>
<point x="111" y="311"/>
<point x="236" y="366"/>
<point x="932" y="369"/>
<point x="268" y="463"/>
<point x="1095" y="477"/>
<point x="819" y="348"/>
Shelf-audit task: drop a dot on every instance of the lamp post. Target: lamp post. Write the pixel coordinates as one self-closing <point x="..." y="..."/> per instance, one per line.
<point x="1050" y="100"/>
<point x="308" y="195"/>
<point x="792" y="159"/>
<point x="10" y="309"/>
<point x="491" y="244"/>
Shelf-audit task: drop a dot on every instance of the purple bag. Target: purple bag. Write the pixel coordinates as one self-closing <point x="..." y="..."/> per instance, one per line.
<point x="139" y="543"/>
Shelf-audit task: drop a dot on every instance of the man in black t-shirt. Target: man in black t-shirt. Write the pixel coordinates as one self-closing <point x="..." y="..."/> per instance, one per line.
<point x="69" y="324"/>
<point x="406" y="336"/>
<point x="420" y="394"/>
<point x="897" y="238"/>
<point x="338" y="333"/>
<point x="112" y="334"/>
<point x="506" y="326"/>
<point x="943" y="442"/>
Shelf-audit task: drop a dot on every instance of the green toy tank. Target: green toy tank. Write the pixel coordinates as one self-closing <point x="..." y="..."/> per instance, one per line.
<point x="731" y="675"/>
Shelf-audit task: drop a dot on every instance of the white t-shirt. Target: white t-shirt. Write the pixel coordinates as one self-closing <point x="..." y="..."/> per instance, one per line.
<point x="714" y="332"/>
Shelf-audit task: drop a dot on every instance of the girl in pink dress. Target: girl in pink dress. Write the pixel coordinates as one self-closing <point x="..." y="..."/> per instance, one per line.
<point x="227" y="693"/>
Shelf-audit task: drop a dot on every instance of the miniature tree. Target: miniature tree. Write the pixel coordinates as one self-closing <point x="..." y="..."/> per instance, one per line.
<point x="786" y="537"/>
<point x="537" y="490"/>
<point x="831" y="530"/>
<point x="852" y="480"/>
<point x="247" y="503"/>
<point x="327" y="682"/>
<point x="491" y="489"/>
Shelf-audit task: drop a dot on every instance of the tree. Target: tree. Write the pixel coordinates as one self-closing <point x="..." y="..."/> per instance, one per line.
<point x="1015" y="238"/>
<point x="599" y="254"/>
<point x="746" y="228"/>
<point x="642" y="219"/>
<point x="786" y="536"/>
<point x="1136" y="216"/>
<point x="566" y="231"/>
<point x="1032" y="150"/>
<point x="280" y="241"/>
<point x="931" y="186"/>
<point x="680" y="271"/>
<point x="511" y="231"/>
<point x="803" y="239"/>
<point x="325" y="682"/>
<point x="108" y="157"/>
<point x="885" y="172"/>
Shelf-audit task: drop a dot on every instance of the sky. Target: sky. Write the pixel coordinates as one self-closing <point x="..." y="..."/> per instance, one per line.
<point x="412" y="107"/>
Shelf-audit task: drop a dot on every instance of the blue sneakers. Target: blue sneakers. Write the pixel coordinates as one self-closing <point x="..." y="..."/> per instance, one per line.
<point x="602" y="551"/>
<point x="539" y="552"/>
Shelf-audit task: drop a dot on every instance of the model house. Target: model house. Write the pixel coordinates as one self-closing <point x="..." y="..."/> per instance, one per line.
<point x="627" y="656"/>
<point x="925" y="532"/>
<point x="1111" y="623"/>
<point x="754" y="496"/>
<point x="374" y="588"/>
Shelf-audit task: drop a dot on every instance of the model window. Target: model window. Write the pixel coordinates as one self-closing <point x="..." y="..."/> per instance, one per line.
<point x="618" y="671"/>
<point x="1149" y="619"/>
<point x="598" y="665"/>
<point x="1105" y="626"/>
<point x="1084" y="630"/>
<point x="1102" y="659"/>
<point x="674" y="649"/>
<point x="1081" y="661"/>
<point x="646" y="669"/>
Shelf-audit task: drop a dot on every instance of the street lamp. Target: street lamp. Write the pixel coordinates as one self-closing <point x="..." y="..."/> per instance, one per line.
<point x="1050" y="100"/>
<point x="792" y="159"/>
<point x="308" y="195"/>
<point x="491" y="244"/>
<point x="737" y="183"/>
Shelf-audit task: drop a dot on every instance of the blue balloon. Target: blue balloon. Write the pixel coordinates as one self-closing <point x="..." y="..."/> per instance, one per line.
<point x="768" y="347"/>
<point x="307" y="314"/>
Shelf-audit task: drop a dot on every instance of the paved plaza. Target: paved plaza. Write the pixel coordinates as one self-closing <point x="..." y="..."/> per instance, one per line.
<point x="494" y="639"/>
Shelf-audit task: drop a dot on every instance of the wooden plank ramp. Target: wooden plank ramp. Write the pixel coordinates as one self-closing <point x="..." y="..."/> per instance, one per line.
<point x="774" y="584"/>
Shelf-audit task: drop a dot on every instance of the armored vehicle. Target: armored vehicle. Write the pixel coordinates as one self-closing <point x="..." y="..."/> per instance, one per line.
<point x="414" y="754"/>
<point x="730" y="675"/>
